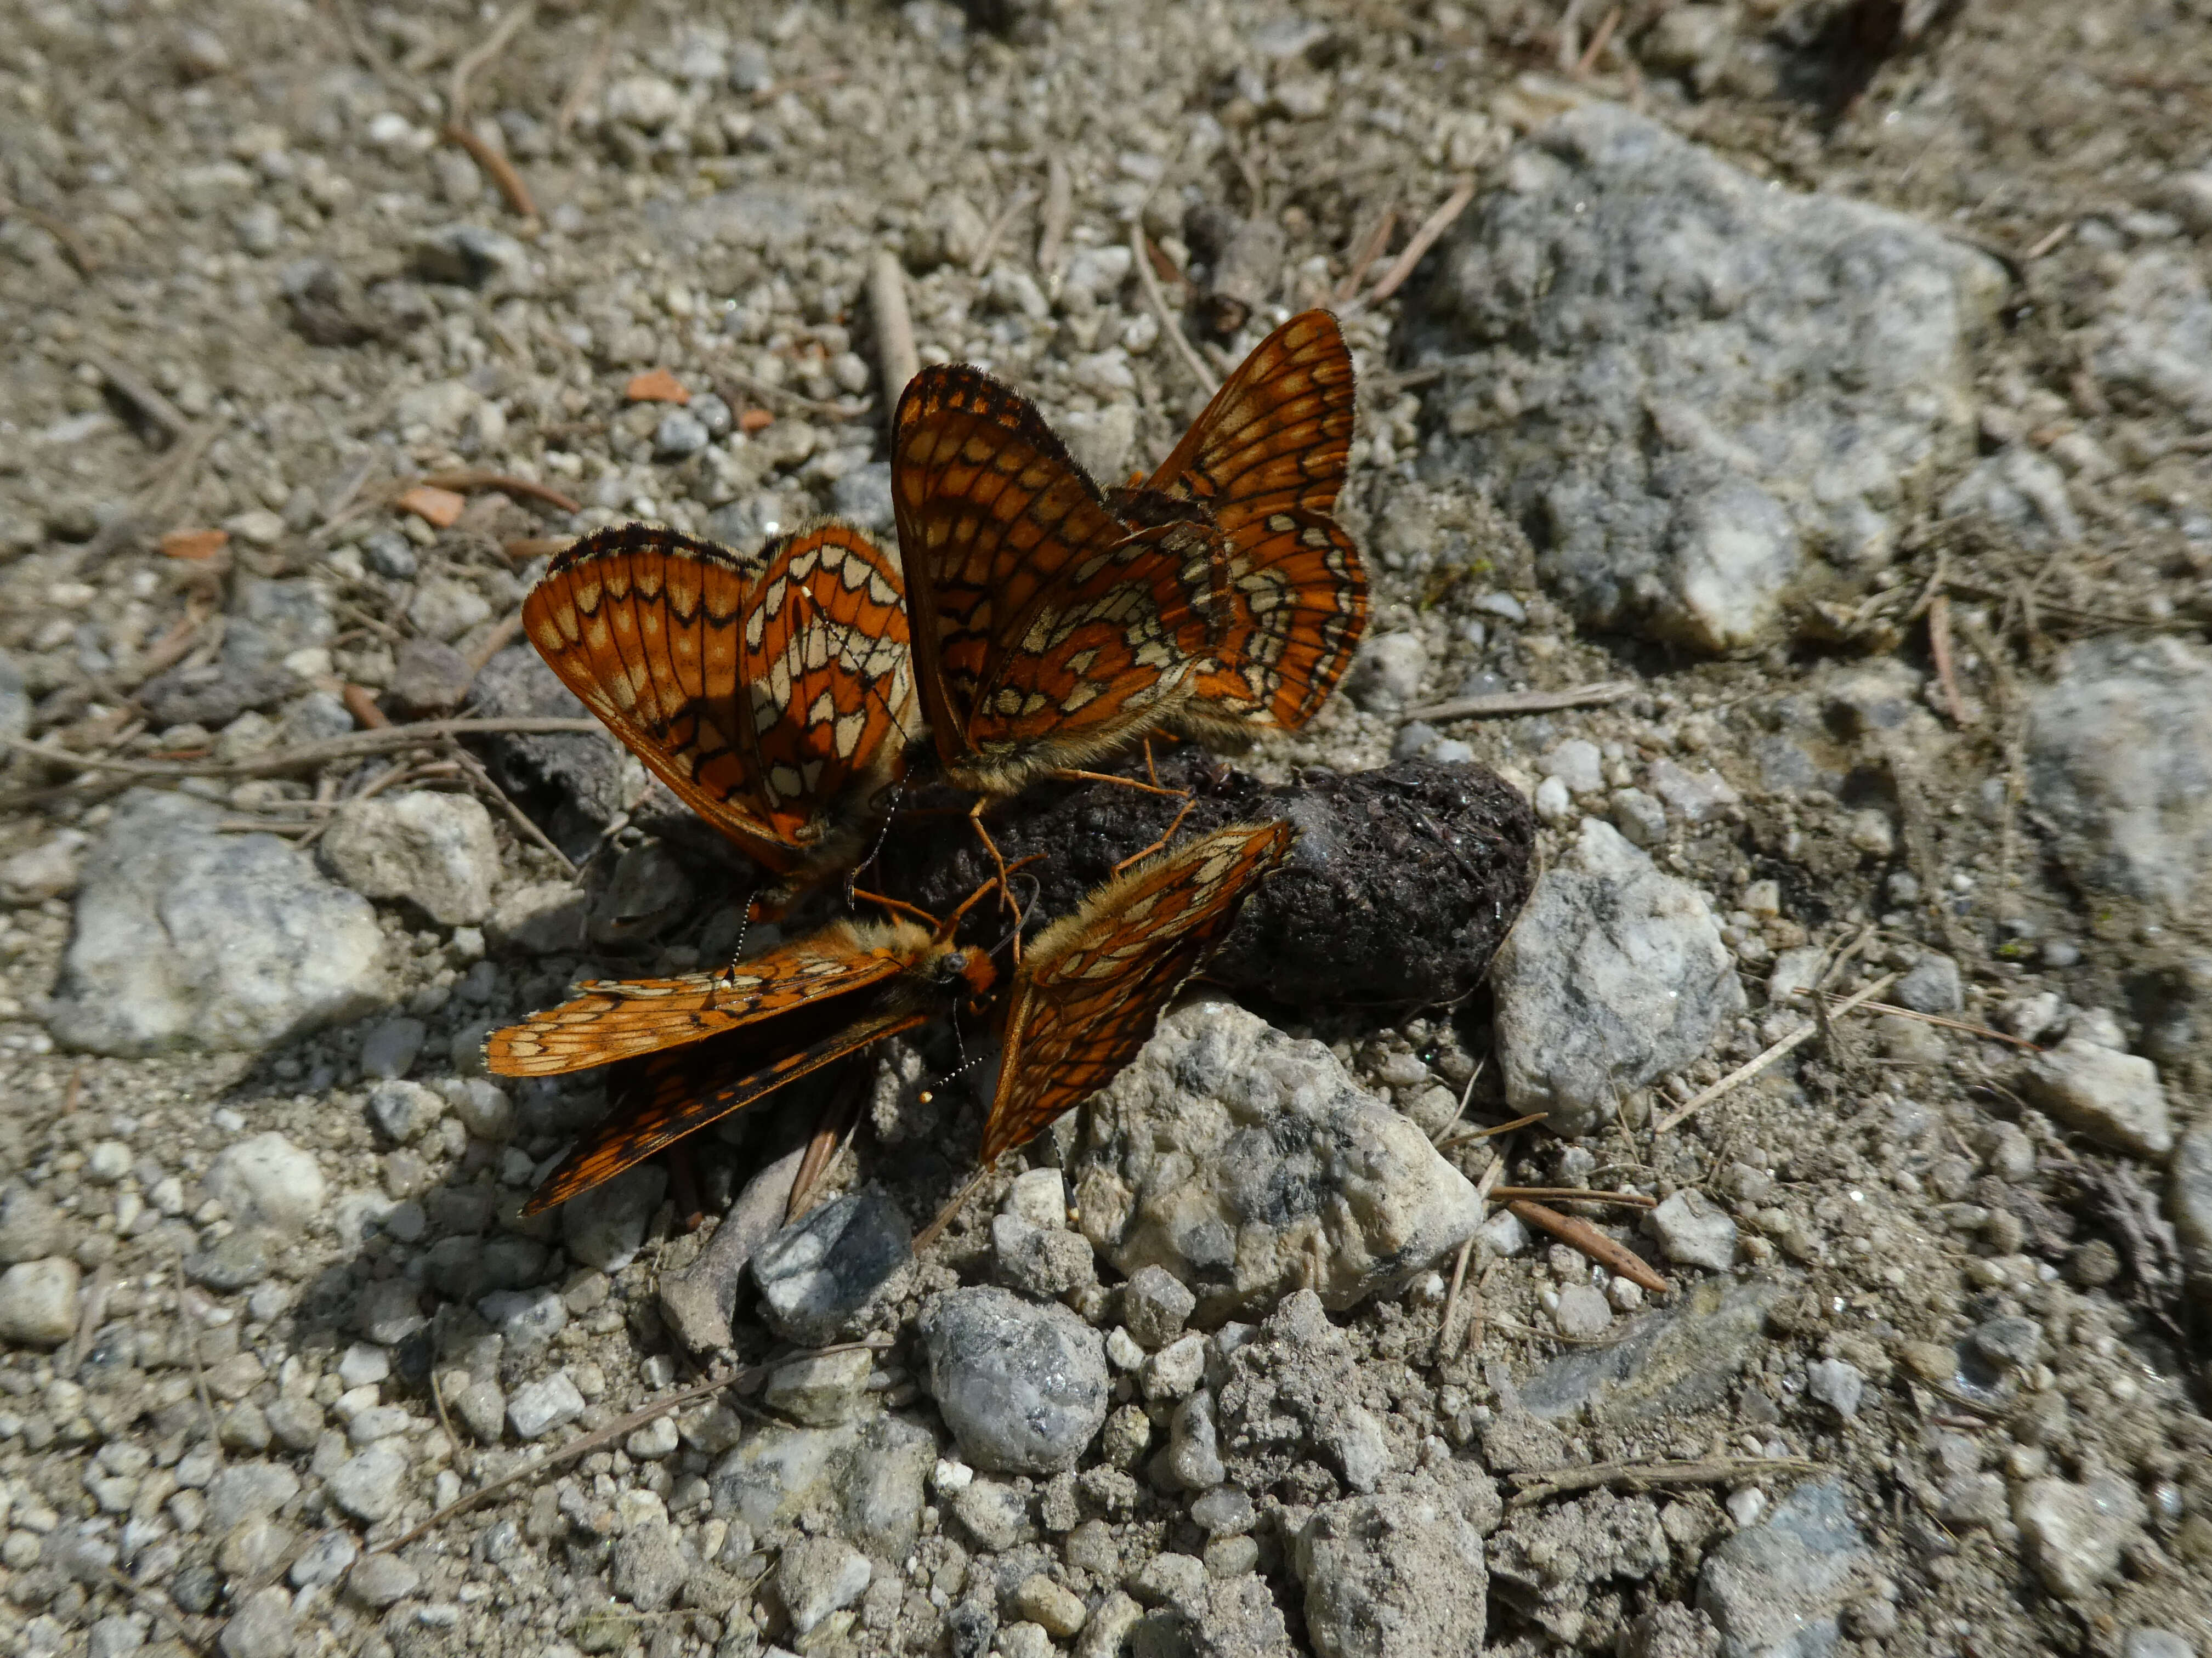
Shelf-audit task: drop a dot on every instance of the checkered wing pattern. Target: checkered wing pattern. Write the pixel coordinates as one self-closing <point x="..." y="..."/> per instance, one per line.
<point x="655" y="1101"/>
<point x="1093" y="984"/>
<point x="773" y="697"/>
<point x="614" y="1021"/>
<point x="1046" y="629"/>
<point x="1267" y="461"/>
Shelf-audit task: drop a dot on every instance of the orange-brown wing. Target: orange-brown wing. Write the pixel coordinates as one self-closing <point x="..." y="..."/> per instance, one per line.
<point x="1010" y="553"/>
<point x="655" y="1102"/>
<point x="1277" y="435"/>
<point x="642" y="624"/>
<point x="613" y="1021"/>
<point x="1093" y="984"/>
<point x="827" y="680"/>
<point x="1297" y="607"/>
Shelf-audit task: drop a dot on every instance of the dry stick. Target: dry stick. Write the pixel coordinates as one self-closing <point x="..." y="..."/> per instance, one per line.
<point x="355" y="745"/>
<point x="607" y="1436"/>
<point x="1366" y="251"/>
<point x="1512" y="702"/>
<point x="896" y="360"/>
<point x="1424" y="239"/>
<point x="1460" y="1110"/>
<point x="73" y="245"/>
<point x="1644" y="1476"/>
<point x="1451" y="1300"/>
<point x="929" y="1233"/>
<point x="497" y="167"/>
<point x="1578" y="1194"/>
<point x="1617" y="1258"/>
<point x="1588" y="61"/>
<point x="1168" y="325"/>
<point x="1493" y="1132"/>
<point x="507" y="483"/>
<point x="761" y="390"/>
<point x="1939" y="646"/>
<point x="140" y="396"/>
<point x="363" y="706"/>
<point x="1744" y="1072"/>
<point x="587" y="78"/>
<point x="1971" y="1029"/>
<point x="474" y="769"/>
<point x="493" y="642"/>
<point x="87" y="1320"/>
<point x="465" y="66"/>
<point x="2045" y="243"/>
<point x="1059" y="210"/>
<point x="988" y="249"/>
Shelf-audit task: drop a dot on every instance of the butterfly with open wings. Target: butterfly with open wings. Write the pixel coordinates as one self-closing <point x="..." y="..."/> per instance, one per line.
<point x="775" y="697"/>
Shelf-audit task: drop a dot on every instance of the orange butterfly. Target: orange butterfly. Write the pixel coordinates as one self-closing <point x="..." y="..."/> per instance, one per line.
<point x="689" y="1051"/>
<point x="774" y="698"/>
<point x="1265" y="462"/>
<point x="1047" y="630"/>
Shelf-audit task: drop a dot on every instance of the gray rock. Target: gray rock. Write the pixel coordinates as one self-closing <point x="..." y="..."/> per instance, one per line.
<point x="2021" y="492"/>
<point x="698" y="1301"/>
<point x="481" y="1407"/>
<point x="379" y="1579"/>
<point x="1838" y="1385"/>
<point x="2189" y="1205"/>
<point x="389" y="1048"/>
<point x="404" y="1111"/>
<point x="1023" y="1387"/>
<point x="429" y="678"/>
<point x="186" y="938"/>
<point x="648" y="1569"/>
<point x="263" y="1627"/>
<point x="482" y="1106"/>
<point x="1931" y="987"/>
<point x="536" y="1408"/>
<point x="2007" y="1344"/>
<point x="544" y="918"/>
<point x="870" y="1476"/>
<point x="577" y="783"/>
<point x="471" y="256"/>
<point x="1692" y="383"/>
<point x="2077" y="1535"/>
<point x="390" y="554"/>
<point x="818" y="1575"/>
<point x="435" y="851"/>
<point x="267" y="1181"/>
<point x="315" y="718"/>
<point x="214" y="693"/>
<point x="1680" y="1358"/>
<point x="1615" y="974"/>
<point x="863" y="496"/>
<point x="1387" y="673"/>
<point x="2114" y="1098"/>
<point x="48" y="869"/>
<point x="388" y="1310"/>
<point x="231" y="1263"/>
<point x="1174" y="1371"/>
<point x="821" y="1390"/>
<point x="2120" y="760"/>
<point x="2157" y="329"/>
<point x="1195" y="1444"/>
<point x="325" y="1560"/>
<point x="1155" y="1306"/>
<point x="679" y="436"/>
<point x="38" y="1302"/>
<point x="820" y="1277"/>
<point x="1694" y="1232"/>
<point x="647" y="891"/>
<point x="1244" y="1163"/>
<point x="371" y="1485"/>
<point x="2156" y="1643"/>
<point x="605" y="1227"/>
<point x="1400" y="1575"/>
<point x="992" y="1514"/>
<point x="525" y="1318"/>
<point x="31" y="1226"/>
<point x="14" y="701"/>
<point x="1775" y="1587"/>
<point x="1040" y="1261"/>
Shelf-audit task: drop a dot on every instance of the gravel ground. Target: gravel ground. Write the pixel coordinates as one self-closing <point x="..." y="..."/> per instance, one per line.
<point x="1847" y="411"/>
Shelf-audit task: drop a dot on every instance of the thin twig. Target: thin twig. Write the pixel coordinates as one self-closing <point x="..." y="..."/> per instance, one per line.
<point x="363" y="706"/>
<point x="74" y="247"/>
<point x="1588" y="61"/>
<point x="1367" y="249"/>
<point x="465" y="66"/>
<point x="354" y="746"/>
<point x="164" y="1608"/>
<point x="896" y="360"/>
<point x="1059" y="210"/>
<point x="192" y="1345"/>
<point x="1971" y="1029"/>
<point x="2046" y="243"/>
<point x="1460" y="1110"/>
<point x="587" y="78"/>
<point x="1578" y="1195"/>
<point x="1493" y="1132"/>
<point x="495" y="641"/>
<point x="795" y="401"/>
<point x="585" y="1444"/>
<point x="1512" y="702"/>
<point x="1939" y="646"/>
<point x="505" y="483"/>
<point x="142" y="396"/>
<point x="515" y="815"/>
<point x="497" y="167"/>
<point x="994" y="234"/>
<point x="1451" y="1299"/>
<point x="87" y="1320"/>
<point x="1168" y="325"/>
<point x="1744" y="1072"/>
<point x="1424" y="239"/>
<point x="1617" y="1258"/>
<point x="1537" y="1484"/>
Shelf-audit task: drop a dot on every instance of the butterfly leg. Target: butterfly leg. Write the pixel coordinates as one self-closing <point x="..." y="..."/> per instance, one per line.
<point x="999" y="859"/>
<point x="683" y="1186"/>
<point x="1166" y="836"/>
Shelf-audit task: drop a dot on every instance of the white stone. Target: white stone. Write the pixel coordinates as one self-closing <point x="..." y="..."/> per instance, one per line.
<point x="38" y="1302"/>
<point x="2114" y="1098"/>
<point x="267" y="1181"/>
<point x="536" y="1408"/>
<point x="437" y="851"/>
<point x="2077" y="1535"/>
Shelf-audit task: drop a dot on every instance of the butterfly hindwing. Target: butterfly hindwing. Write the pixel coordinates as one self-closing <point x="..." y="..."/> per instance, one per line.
<point x="1093" y="985"/>
<point x="1046" y="629"/>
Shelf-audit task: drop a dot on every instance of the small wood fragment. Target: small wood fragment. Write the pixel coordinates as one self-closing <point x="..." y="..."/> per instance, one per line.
<point x="755" y="420"/>
<point x="505" y="483"/>
<point x="896" y="359"/>
<point x="1059" y="210"/>
<point x="656" y="386"/>
<point x="1502" y="703"/>
<point x="1752" y="1067"/>
<point x="1537" y="1484"/>
<point x="196" y="546"/>
<point x="1424" y="239"/>
<point x="361" y="702"/>
<point x="1617" y="1258"/>
<point x="440" y="508"/>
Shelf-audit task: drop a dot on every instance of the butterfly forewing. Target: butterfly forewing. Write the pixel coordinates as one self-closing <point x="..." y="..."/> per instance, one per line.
<point x="1046" y="629"/>
<point x="614" y="1021"/>
<point x="1093" y="984"/>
